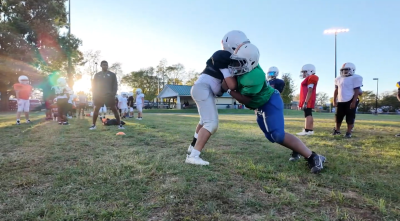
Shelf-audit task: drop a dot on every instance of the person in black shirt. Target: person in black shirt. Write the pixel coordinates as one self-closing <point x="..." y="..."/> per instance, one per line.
<point x="104" y="88"/>
<point x="130" y="105"/>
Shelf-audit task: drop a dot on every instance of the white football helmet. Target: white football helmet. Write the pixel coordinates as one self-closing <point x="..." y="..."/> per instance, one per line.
<point x="62" y="82"/>
<point x="138" y="91"/>
<point x="244" y="59"/>
<point x="348" y="69"/>
<point x="233" y="40"/>
<point x="307" y="70"/>
<point x="130" y="94"/>
<point x="124" y="94"/>
<point x="23" y="79"/>
<point x="273" y="72"/>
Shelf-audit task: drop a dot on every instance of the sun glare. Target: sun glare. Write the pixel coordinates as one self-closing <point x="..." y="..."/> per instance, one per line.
<point x="84" y="84"/>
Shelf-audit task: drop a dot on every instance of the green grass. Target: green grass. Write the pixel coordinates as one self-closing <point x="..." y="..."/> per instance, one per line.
<point x="52" y="172"/>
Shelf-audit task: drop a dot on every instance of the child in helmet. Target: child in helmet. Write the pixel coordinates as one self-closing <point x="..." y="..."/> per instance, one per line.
<point x="123" y="104"/>
<point x="273" y="81"/>
<point x="139" y="103"/>
<point x="345" y="98"/>
<point x="254" y="92"/>
<point x="206" y="88"/>
<point x="23" y="91"/>
<point x="308" y="95"/>
<point x="63" y="93"/>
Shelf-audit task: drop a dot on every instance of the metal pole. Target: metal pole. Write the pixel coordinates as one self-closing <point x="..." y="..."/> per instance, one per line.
<point x="335" y="57"/>
<point x="69" y="38"/>
<point x="376" y="98"/>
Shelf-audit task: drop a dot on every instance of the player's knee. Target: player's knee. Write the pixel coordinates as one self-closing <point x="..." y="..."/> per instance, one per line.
<point x="278" y="136"/>
<point x="211" y="126"/>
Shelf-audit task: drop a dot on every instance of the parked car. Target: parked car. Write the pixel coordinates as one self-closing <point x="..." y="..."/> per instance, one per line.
<point x="148" y="104"/>
<point x="35" y="105"/>
<point x="12" y="104"/>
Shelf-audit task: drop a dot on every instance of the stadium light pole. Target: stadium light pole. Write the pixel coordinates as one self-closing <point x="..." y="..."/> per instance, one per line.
<point x="69" y="38"/>
<point x="335" y="31"/>
<point x="376" y="97"/>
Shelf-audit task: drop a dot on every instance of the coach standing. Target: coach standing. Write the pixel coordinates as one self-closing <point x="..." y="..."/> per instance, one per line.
<point x="347" y="90"/>
<point x="104" y="89"/>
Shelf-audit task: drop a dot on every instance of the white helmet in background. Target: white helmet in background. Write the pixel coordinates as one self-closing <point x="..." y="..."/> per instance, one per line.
<point x="348" y="69"/>
<point x="244" y="59"/>
<point x="138" y="91"/>
<point x="307" y="70"/>
<point x="273" y="72"/>
<point x="23" y="79"/>
<point x="130" y="94"/>
<point x="233" y="39"/>
<point x="124" y="94"/>
<point x="62" y="82"/>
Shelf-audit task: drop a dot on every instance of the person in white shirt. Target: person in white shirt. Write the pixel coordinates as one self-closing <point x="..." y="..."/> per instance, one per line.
<point x="103" y="110"/>
<point x="207" y="87"/>
<point x="123" y="104"/>
<point x="139" y="103"/>
<point x="63" y="93"/>
<point x="347" y="89"/>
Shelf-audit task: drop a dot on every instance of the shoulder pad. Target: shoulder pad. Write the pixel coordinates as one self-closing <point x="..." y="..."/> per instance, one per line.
<point x="220" y="59"/>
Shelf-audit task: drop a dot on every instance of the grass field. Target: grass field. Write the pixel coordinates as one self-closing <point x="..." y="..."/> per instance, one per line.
<point x="52" y="172"/>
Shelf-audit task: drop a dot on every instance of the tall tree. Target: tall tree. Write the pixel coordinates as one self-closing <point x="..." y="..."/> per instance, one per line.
<point x="117" y="69"/>
<point x="368" y="101"/>
<point x="176" y="74"/>
<point x="287" y="93"/>
<point x="322" y="98"/>
<point x="161" y="73"/>
<point x="31" y="42"/>
<point x="192" y="77"/>
<point x="144" y="79"/>
<point x="296" y="97"/>
<point x="389" y="101"/>
<point x="91" y="62"/>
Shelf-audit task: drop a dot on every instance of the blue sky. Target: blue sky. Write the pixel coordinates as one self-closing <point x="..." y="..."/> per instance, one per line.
<point x="288" y="33"/>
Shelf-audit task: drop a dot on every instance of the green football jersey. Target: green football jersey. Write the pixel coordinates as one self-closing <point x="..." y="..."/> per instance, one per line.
<point x="254" y="85"/>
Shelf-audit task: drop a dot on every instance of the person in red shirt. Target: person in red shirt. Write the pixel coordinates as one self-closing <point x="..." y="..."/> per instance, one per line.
<point x="308" y="94"/>
<point x="23" y="92"/>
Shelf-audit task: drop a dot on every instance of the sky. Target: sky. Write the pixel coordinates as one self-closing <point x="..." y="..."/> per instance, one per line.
<point x="288" y="33"/>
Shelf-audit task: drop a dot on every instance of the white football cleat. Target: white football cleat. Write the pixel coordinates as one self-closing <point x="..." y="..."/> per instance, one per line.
<point x="304" y="133"/>
<point x="196" y="161"/>
<point x="190" y="149"/>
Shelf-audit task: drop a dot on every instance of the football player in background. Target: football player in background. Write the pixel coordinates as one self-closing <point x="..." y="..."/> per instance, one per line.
<point x="123" y="104"/>
<point x="347" y="89"/>
<point x="23" y="91"/>
<point x="139" y="103"/>
<point x="308" y="94"/>
<point x="273" y="81"/>
<point x="63" y="93"/>
<point x="131" y="105"/>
